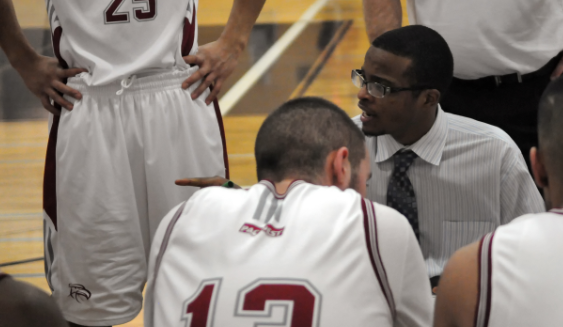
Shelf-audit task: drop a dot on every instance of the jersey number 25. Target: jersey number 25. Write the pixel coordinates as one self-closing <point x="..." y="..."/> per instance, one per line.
<point x="112" y="15"/>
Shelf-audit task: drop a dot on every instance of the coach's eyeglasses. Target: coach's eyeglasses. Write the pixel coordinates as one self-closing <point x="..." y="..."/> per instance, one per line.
<point x="379" y="90"/>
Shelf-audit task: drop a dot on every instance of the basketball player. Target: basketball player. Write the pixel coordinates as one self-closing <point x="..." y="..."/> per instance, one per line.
<point x="297" y="249"/>
<point x="144" y="119"/>
<point x="512" y="277"/>
<point x="22" y="305"/>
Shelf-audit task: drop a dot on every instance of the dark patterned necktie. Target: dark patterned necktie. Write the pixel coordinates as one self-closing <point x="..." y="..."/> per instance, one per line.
<point x="400" y="193"/>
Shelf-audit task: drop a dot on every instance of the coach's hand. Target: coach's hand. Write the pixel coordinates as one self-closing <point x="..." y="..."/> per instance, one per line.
<point x="205" y="182"/>
<point x="45" y="78"/>
<point x="216" y="61"/>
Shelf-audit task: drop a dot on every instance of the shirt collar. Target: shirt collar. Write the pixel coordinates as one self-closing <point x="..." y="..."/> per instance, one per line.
<point x="429" y="148"/>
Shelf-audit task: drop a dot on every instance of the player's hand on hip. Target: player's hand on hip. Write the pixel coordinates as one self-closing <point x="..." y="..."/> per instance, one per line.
<point x="45" y="78"/>
<point x="558" y="70"/>
<point x="216" y="61"/>
<point x="206" y="182"/>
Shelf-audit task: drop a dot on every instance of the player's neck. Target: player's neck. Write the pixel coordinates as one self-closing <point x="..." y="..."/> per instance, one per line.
<point x="281" y="187"/>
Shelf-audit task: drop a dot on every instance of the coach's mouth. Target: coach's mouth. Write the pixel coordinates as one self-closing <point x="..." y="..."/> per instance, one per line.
<point x="365" y="117"/>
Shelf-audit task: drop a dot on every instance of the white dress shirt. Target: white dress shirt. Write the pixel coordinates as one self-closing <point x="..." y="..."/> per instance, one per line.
<point x="494" y="37"/>
<point x="469" y="178"/>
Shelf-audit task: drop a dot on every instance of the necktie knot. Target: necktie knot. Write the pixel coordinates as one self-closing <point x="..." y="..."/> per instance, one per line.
<point x="404" y="158"/>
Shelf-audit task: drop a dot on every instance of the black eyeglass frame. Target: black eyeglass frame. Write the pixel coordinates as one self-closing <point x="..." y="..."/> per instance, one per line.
<point x="386" y="89"/>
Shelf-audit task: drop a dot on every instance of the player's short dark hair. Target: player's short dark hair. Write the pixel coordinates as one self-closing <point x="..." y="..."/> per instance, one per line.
<point x="432" y="61"/>
<point x="295" y="140"/>
<point x="550" y="125"/>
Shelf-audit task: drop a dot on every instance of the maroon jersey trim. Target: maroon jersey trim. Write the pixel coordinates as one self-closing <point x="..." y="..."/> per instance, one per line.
<point x="558" y="211"/>
<point x="163" y="247"/>
<point x="272" y="187"/>
<point x="483" y="310"/>
<point x="372" y="243"/>
<point x="188" y="36"/>
<point x="57" y="48"/>
<point x="222" y="131"/>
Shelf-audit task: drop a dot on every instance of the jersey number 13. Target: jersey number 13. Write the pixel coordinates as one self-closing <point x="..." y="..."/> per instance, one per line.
<point x="300" y="300"/>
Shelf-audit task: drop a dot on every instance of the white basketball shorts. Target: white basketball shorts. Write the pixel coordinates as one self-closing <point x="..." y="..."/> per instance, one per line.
<point x="109" y="180"/>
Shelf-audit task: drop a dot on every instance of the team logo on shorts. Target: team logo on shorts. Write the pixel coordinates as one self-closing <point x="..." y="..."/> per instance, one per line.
<point x="78" y="292"/>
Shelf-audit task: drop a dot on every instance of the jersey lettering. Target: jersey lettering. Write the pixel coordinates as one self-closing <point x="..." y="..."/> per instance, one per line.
<point x="199" y="309"/>
<point x="299" y="300"/>
<point x="255" y="230"/>
<point x="113" y="16"/>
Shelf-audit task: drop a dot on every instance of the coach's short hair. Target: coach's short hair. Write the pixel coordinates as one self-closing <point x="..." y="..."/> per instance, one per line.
<point x="432" y="60"/>
<point x="295" y="140"/>
<point x="550" y="126"/>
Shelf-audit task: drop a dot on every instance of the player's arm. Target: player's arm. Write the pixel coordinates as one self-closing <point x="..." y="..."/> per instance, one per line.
<point x="203" y="182"/>
<point x="217" y="60"/>
<point x="381" y="16"/>
<point x="456" y="300"/>
<point x="42" y="75"/>
<point x="24" y="305"/>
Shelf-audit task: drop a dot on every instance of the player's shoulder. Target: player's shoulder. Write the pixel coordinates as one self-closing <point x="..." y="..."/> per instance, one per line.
<point x="391" y="221"/>
<point x="531" y="228"/>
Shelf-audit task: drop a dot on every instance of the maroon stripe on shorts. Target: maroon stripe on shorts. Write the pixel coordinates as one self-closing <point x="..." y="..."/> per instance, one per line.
<point x="50" y="175"/>
<point x="222" y="130"/>
<point x="189" y="34"/>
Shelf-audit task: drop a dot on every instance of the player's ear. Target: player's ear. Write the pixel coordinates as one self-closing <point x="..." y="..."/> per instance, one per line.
<point x="340" y="168"/>
<point x="538" y="168"/>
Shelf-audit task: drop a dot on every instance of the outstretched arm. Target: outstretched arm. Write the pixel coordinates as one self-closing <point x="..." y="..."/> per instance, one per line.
<point x="381" y="16"/>
<point x="217" y="60"/>
<point x="42" y="75"/>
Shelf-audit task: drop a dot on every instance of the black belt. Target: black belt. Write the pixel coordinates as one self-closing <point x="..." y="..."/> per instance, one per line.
<point x="515" y="78"/>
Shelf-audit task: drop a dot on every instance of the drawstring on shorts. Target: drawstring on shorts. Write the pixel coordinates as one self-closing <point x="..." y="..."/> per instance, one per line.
<point x="126" y="83"/>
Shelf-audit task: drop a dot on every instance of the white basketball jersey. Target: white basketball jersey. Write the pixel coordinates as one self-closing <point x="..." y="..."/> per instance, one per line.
<point x="520" y="273"/>
<point x="114" y="39"/>
<point x="254" y="257"/>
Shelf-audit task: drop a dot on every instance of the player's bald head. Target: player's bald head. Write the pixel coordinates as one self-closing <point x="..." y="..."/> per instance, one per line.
<point x="550" y="128"/>
<point x="295" y="140"/>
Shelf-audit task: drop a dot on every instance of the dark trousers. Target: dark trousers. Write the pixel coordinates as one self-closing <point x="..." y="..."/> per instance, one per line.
<point x="511" y="106"/>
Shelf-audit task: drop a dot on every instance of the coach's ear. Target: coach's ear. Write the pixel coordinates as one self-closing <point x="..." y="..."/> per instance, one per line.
<point x="538" y="168"/>
<point x="338" y="170"/>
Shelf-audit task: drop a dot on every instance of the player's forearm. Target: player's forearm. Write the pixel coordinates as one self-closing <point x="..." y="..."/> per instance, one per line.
<point x="241" y="20"/>
<point x="12" y="41"/>
<point x="381" y="16"/>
